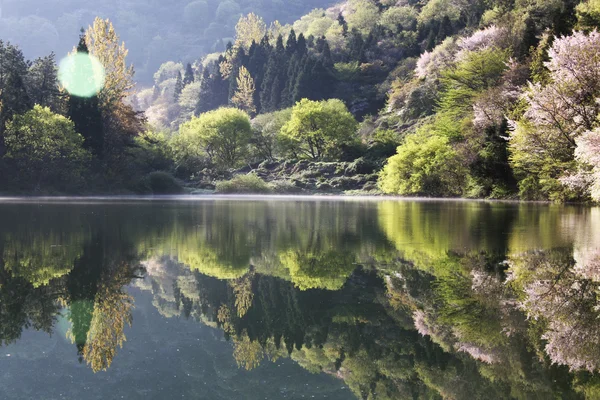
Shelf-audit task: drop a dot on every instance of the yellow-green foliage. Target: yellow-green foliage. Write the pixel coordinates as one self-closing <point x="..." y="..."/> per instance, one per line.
<point x="221" y="135"/>
<point x="363" y="16"/>
<point x="437" y="10"/>
<point x="320" y="127"/>
<point x="323" y="270"/>
<point x="244" y="184"/>
<point x="45" y="147"/>
<point x="426" y="164"/>
<point x="588" y="14"/>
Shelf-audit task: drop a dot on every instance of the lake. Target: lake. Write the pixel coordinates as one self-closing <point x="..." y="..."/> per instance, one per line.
<point x="249" y="298"/>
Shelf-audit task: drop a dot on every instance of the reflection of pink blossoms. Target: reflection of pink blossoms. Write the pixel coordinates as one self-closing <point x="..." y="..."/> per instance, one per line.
<point x="421" y="323"/>
<point x="477" y="353"/>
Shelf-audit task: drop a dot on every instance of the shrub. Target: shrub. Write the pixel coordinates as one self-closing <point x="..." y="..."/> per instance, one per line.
<point x="244" y="184"/>
<point x="160" y="182"/>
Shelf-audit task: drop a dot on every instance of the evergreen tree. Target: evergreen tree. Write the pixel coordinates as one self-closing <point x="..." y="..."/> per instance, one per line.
<point x="290" y="47"/>
<point x="319" y="44"/>
<point x="258" y="58"/>
<point x="326" y="55"/>
<point x="214" y="90"/>
<point x="86" y="114"/>
<point x="42" y="83"/>
<point x="189" y="75"/>
<point x="356" y="46"/>
<point x="342" y="21"/>
<point x="445" y="29"/>
<point x="178" y="87"/>
<point x="272" y="85"/>
<point x="13" y="92"/>
<point x="288" y="97"/>
<point x="301" y="45"/>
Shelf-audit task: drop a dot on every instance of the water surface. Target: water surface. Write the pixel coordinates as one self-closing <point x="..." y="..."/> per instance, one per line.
<point x="247" y="298"/>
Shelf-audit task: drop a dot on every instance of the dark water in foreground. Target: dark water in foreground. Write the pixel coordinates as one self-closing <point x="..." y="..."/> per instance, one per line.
<point x="336" y="299"/>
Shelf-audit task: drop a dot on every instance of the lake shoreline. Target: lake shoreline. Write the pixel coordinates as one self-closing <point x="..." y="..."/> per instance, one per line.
<point x="256" y="197"/>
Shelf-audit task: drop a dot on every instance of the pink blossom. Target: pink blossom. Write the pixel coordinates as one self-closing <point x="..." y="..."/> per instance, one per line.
<point x="480" y="40"/>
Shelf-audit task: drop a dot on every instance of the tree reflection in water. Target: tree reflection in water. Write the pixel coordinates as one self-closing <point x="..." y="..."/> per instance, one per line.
<point x="397" y="299"/>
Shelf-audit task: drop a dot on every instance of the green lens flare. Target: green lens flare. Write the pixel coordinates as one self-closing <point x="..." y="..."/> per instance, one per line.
<point x="81" y="74"/>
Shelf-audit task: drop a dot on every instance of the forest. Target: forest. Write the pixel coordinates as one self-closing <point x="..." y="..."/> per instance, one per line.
<point x="441" y="98"/>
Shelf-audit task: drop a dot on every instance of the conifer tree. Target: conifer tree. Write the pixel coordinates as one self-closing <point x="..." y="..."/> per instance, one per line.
<point x="445" y="29"/>
<point x="13" y="92"/>
<point x="189" y="75"/>
<point x="301" y="46"/>
<point x="342" y="21"/>
<point x="42" y="83"/>
<point x="257" y="63"/>
<point x="214" y="90"/>
<point x="272" y="85"/>
<point x="86" y="114"/>
<point x="290" y="47"/>
<point x="178" y="87"/>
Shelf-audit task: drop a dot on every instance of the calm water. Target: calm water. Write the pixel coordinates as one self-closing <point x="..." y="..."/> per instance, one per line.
<point x="270" y="299"/>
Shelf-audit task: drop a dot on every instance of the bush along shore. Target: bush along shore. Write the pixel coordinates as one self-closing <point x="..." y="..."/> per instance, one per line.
<point x="292" y="177"/>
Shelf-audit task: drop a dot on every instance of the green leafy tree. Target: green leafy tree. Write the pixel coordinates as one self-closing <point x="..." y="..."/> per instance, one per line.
<point x="426" y="164"/>
<point x="267" y="143"/>
<point x="244" y="95"/>
<point x="222" y="135"/>
<point x="320" y="128"/>
<point x="45" y="148"/>
<point x="250" y="28"/>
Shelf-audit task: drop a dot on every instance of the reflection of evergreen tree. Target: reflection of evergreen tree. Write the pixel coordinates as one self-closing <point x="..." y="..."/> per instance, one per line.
<point x="82" y="285"/>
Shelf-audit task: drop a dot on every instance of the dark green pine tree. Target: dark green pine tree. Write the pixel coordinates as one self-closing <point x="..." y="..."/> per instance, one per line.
<point x="43" y="83"/>
<point x="13" y="92"/>
<point x="314" y="82"/>
<point x="189" y="75"/>
<point x="445" y="30"/>
<point x="214" y="90"/>
<point x="178" y="87"/>
<point x="86" y="114"/>
<point x="429" y="33"/>
<point x="302" y="82"/>
<point x="356" y="47"/>
<point x="291" y="44"/>
<point x="288" y="94"/>
<point x="326" y="55"/>
<point x="301" y="45"/>
<point x="342" y="21"/>
<point x="319" y="44"/>
<point x="258" y="57"/>
<point x="272" y="85"/>
<point x="206" y="83"/>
